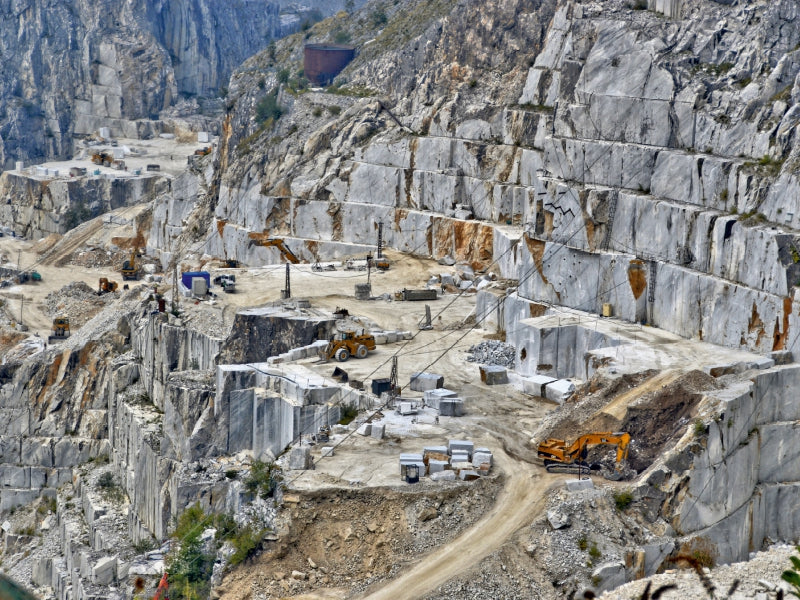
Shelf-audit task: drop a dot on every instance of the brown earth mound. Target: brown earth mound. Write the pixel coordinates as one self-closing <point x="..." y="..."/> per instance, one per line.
<point x="655" y="418"/>
<point x="349" y="539"/>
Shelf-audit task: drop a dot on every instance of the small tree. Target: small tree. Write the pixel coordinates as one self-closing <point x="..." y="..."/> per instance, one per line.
<point x="792" y="576"/>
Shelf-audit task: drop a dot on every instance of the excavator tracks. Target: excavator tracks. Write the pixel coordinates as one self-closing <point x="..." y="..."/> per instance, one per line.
<point x="577" y="468"/>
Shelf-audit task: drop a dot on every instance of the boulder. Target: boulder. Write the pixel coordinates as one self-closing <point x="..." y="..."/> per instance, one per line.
<point x="421" y="382"/>
<point x="493" y="375"/>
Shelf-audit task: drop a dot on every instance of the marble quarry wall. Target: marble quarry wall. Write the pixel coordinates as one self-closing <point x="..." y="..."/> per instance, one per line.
<point x="35" y="207"/>
<point x="743" y="485"/>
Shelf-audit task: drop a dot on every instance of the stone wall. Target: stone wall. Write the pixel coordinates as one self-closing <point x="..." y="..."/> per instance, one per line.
<point x="743" y="481"/>
<point x="35" y="207"/>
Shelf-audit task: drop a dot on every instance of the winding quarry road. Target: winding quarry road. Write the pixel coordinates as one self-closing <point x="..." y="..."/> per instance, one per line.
<point x="522" y="498"/>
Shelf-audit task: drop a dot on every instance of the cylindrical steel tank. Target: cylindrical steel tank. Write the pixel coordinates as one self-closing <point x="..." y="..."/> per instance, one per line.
<point x="323" y="62"/>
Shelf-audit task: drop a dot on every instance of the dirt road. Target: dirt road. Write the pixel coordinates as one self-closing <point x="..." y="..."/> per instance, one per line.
<point x="522" y="498"/>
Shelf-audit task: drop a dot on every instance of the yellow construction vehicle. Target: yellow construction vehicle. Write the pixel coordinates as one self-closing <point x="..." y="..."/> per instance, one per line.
<point x="346" y="344"/>
<point x="60" y="329"/>
<point x="130" y="270"/>
<point x="560" y="457"/>
<point x="203" y="151"/>
<point x="277" y="243"/>
<point x="102" y="158"/>
<point x="106" y="285"/>
<point x="382" y="264"/>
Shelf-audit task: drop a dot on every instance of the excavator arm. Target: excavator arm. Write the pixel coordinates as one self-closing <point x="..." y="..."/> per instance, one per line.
<point x="276" y="243"/>
<point x="557" y="451"/>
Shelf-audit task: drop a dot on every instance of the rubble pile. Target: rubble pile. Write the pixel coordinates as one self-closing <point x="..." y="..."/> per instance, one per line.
<point x="492" y="352"/>
<point x="464" y="279"/>
<point x="77" y="301"/>
<point x="94" y="258"/>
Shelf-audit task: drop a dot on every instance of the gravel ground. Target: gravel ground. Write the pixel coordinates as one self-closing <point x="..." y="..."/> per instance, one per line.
<point x="758" y="578"/>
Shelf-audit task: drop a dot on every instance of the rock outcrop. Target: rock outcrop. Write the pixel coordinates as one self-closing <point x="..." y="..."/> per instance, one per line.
<point x="630" y="157"/>
<point x="597" y="154"/>
<point x="70" y="68"/>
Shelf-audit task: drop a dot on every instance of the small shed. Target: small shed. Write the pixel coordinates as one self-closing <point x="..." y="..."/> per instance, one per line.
<point x="186" y="278"/>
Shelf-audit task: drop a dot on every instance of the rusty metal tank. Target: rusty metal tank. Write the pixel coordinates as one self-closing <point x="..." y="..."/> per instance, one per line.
<point x="323" y="62"/>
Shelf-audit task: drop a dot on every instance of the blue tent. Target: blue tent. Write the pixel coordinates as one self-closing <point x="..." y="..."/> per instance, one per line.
<point x="186" y="278"/>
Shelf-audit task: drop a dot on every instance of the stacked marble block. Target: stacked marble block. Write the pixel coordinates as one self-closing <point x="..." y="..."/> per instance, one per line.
<point x="310" y="351"/>
<point x="383" y="336"/>
<point x="459" y="459"/>
<point x="445" y="401"/>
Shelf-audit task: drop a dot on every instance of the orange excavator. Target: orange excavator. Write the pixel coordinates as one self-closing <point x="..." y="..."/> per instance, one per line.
<point x="280" y="245"/>
<point x="562" y="458"/>
<point x="163" y="586"/>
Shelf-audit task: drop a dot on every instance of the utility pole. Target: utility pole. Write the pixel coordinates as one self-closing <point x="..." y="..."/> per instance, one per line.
<point x="21" y="302"/>
<point x="175" y="286"/>
<point x="393" y="387"/>
<point x="287" y="290"/>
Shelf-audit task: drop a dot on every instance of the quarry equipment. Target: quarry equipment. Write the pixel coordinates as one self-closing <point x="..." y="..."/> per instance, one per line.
<point x="280" y="245"/>
<point x="203" y="151"/>
<point x="102" y="158"/>
<point x="381" y="263"/>
<point x="163" y="586"/>
<point x="415" y="295"/>
<point x="346" y="344"/>
<point x="562" y="458"/>
<point x="324" y="434"/>
<point x="226" y="282"/>
<point x="130" y="270"/>
<point x="106" y="286"/>
<point x="118" y="164"/>
<point x="36" y="276"/>
<point x="60" y="329"/>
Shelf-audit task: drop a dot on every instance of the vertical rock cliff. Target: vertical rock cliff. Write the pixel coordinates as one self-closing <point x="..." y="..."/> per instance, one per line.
<point x="69" y="68"/>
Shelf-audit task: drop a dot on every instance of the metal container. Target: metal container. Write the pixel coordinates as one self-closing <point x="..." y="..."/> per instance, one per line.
<point x="323" y="62"/>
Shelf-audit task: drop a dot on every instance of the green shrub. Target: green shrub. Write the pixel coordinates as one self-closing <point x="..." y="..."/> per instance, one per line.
<point x="283" y="75"/>
<point x="263" y="479"/>
<point x="348" y="414"/>
<point x="110" y="488"/>
<point x="144" y="545"/>
<point x="699" y="427"/>
<point x="703" y="558"/>
<point x="341" y="37"/>
<point x="268" y="107"/>
<point x="792" y="575"/>
<point x="594" y="552"/>
<point x="188" y="522"/>
<point x="378" y="18"/>
<point x="623" y="499"/>
<point x="226" y="526"/>
<point x="246" y="541"/>
<point x="334" y="109"/>
<point x="188" y="565"/>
